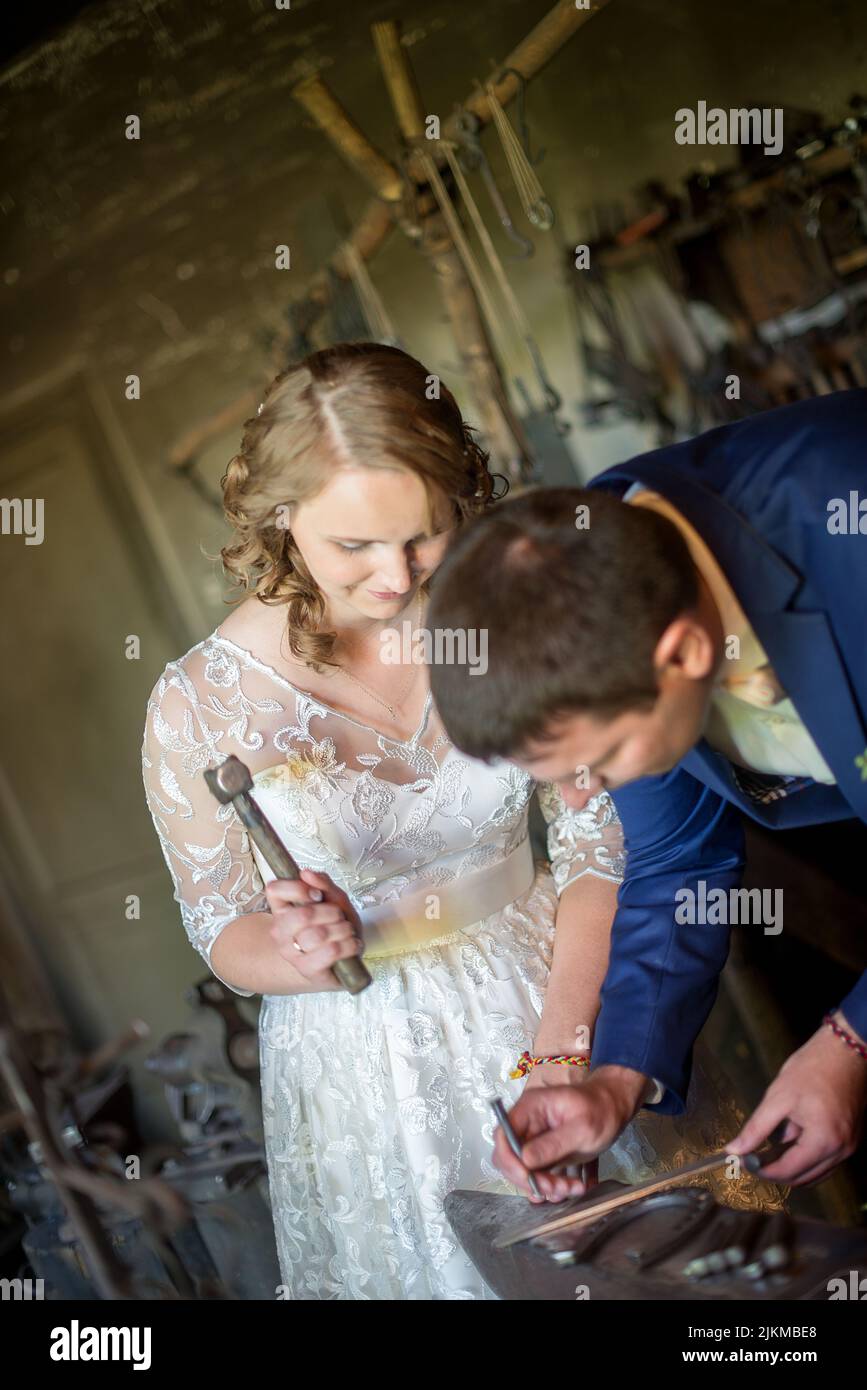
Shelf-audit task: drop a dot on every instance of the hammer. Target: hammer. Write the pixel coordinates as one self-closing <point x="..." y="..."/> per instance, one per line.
<point x="231" y="782"/>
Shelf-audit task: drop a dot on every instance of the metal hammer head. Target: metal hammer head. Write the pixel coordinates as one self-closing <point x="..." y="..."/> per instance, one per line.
<point x="229" y="780"/>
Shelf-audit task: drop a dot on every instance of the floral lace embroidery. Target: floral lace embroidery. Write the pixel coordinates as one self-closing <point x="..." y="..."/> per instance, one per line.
<point x="589" y="841"/>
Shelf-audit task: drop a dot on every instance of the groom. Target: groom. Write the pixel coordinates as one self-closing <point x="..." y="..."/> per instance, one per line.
<point x="690" y="634"/>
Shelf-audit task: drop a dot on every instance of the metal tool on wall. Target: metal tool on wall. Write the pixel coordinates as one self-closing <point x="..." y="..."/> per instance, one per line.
<point x="514" y="310"/>
<point x="474" y="157"/>
<point x="231" y="784"/>
<point x="530" y="191"/>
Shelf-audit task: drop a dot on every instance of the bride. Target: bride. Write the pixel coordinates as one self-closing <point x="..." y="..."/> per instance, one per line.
<point x="375" y="1106"/>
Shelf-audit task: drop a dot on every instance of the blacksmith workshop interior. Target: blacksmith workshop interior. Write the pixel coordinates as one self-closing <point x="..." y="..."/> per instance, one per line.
<point x="586" y="283"/>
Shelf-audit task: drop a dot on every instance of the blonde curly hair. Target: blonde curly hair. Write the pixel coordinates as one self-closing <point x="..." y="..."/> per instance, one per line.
<point x="359" y="404"/>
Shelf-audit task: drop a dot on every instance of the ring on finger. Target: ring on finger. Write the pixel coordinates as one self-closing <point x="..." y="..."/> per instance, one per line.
<point x="298" y="948"/>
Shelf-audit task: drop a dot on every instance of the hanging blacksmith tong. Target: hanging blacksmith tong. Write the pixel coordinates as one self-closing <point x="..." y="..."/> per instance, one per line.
<point x="475" y="158"/>
<point x="231" y="784"/>
<point x="523" y="127"/>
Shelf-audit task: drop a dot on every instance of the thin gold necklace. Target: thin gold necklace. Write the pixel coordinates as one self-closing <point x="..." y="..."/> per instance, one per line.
<point x="372" y="693"/>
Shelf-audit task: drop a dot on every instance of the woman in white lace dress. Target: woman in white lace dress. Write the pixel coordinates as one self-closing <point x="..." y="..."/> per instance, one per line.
<point x="374" y="1106"/>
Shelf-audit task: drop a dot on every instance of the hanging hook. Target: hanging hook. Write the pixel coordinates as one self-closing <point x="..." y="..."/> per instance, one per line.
<point x="552" y="397"/>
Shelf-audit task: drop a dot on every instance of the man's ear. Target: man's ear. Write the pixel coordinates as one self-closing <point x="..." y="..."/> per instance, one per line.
<point x="686" y="646"/>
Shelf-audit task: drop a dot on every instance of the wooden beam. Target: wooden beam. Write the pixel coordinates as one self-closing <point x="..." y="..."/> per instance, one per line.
<point x="528" y="57"/>
<point x="399" y="79"/>
<point x="378" y="216"/>
<point x="534" y="51"/>
<point x="509" y="446"/>
<point x="322" y="105"/>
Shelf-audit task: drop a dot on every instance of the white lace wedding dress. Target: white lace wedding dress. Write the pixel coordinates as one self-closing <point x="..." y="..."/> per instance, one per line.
<point x="376" y="1106"/>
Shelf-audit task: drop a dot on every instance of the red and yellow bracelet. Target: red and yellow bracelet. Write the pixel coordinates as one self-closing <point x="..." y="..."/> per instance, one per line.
<point x="847" y="1038"/>
<point x="526" y="1062"/>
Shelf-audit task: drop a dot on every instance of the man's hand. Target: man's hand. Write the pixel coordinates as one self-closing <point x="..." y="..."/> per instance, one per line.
<point x="548" y="1075"/>
<point x="822" y="1090"/>
<point x="571" y="1123"/>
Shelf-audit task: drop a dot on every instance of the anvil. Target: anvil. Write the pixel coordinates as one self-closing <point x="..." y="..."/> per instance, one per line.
<point x="640" y="1257"/>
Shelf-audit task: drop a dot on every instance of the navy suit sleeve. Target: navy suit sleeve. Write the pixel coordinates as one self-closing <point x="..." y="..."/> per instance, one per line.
<point x="854" y="1007"/>
<point x="663" y="974"/>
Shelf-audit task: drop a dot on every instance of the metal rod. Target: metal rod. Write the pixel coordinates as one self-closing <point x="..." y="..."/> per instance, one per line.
<point x="599" y="1206"/>
<point x="512" y="1140"/>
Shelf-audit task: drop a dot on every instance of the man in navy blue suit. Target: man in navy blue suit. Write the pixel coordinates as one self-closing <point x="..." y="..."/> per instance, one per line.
<point x="688" y="633"/>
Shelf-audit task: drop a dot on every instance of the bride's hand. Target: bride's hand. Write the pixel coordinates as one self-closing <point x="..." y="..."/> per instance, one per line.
<point x="314" y="925"/>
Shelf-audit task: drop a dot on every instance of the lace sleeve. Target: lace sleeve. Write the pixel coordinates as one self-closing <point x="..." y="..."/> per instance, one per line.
<point x="589" y="841"/>
<point x="204" y="844"/>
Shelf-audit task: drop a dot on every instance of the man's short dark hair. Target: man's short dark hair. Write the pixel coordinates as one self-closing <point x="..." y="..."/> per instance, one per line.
<point x="573" y="614"/>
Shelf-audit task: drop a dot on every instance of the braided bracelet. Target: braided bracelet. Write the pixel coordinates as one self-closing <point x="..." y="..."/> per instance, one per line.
<point x="526" y="1063"/>
<point x="855" y="1045"/>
